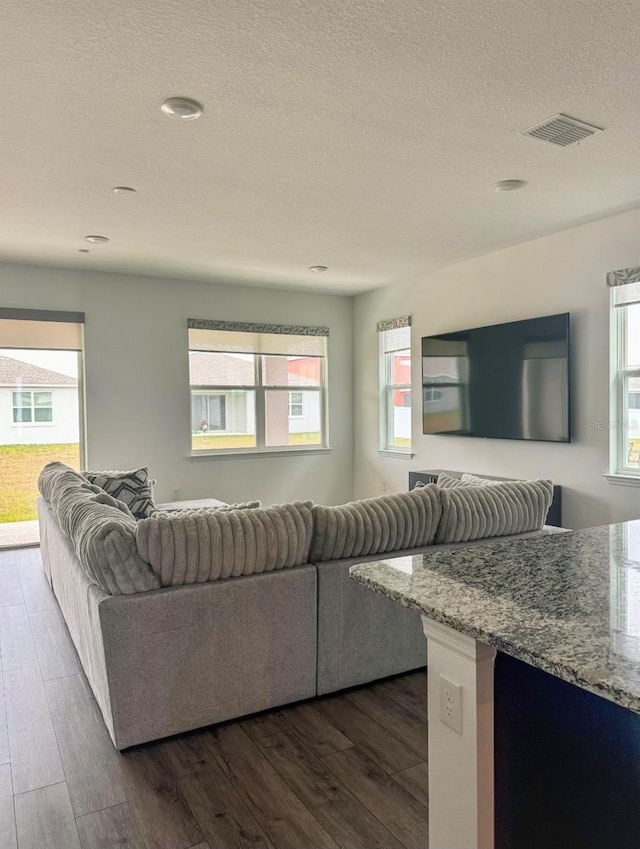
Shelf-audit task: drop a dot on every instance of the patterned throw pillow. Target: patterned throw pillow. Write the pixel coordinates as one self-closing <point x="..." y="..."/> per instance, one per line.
<point x="132" y="488"/>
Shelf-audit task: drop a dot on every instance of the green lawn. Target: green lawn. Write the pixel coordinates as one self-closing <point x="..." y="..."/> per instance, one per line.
<point x="205" y="442"/>
<point x="20" y="466"/>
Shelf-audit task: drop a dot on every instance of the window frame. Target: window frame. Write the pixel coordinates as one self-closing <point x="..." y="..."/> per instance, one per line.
<point x="32" y="407"/>
<point x="260" y="390"/>
<point x="387" y="390"/>
<point x="620" y="374"/>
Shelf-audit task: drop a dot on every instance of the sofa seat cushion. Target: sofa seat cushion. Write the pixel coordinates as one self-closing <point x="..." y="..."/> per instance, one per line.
<point x="376" y="525"/>
<point x="208" y="545"/>
<point x="446" y="481"/>
<point x="501" y="509"/>
<point x="131" y="487"/>
<point x="190" y="511"/>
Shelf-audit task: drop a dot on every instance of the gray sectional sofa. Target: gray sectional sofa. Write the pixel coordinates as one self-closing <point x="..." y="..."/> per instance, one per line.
<point x="188" y="619"/>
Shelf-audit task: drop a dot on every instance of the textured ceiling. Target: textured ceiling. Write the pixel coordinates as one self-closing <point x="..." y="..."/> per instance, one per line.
<point x="360" y="135"/>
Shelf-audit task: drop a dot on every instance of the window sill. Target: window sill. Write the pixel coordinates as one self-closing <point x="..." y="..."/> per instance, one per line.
<point x="398" y="453"/>
<point x="257" y="452"/>
<point x="623" y="480"/>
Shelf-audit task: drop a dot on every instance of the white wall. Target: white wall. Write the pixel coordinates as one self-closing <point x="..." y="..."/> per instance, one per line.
<point x="137" y="376"/>
<point x="564" y="272"/>
<point x="63" y="429"/>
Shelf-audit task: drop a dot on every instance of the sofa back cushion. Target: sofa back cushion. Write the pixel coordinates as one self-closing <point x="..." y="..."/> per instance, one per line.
<point x="208" y="545"/>
<point x="503" y="508"/>
<point x="376" y="525"/>
<point x="101" y="530"/>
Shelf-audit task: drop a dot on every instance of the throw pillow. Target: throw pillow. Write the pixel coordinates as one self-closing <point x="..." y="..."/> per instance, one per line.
<point x="504" y="508"/>
<point x="132" y="488"/>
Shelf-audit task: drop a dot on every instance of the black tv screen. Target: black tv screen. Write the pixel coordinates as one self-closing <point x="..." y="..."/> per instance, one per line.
<point x="506" y="381"/>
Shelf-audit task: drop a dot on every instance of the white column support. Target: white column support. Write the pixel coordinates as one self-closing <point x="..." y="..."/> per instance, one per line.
<point x="461" y="804"/>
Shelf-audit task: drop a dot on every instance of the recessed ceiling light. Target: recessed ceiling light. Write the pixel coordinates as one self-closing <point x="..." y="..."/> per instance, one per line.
<point x="84" y="251"/>
<point x="318" y="268"/>
<point x="182" y="107"/>
<point x="96" y="240"/>
<point x="124" y="190"/>
<point x="509" y="185"/>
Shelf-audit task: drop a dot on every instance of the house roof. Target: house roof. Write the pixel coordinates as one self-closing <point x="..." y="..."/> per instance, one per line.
<point x="227" y="370"/>
<point x="14" y="371"/>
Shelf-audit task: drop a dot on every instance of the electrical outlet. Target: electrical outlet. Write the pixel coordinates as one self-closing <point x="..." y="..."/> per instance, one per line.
<point x="383" y="486"/>
<point x="451" y="704"/>
<point x="175" y="493"/>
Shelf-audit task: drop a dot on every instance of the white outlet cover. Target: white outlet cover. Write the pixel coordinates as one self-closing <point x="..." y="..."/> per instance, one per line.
<point x="451" y="704"/>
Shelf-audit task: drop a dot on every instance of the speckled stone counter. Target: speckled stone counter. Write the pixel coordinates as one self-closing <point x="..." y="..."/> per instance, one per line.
<point x="568" y="604"/>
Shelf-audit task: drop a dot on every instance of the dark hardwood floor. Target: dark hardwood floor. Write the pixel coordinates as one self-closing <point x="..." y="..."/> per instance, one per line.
<point x="344" y="771"/>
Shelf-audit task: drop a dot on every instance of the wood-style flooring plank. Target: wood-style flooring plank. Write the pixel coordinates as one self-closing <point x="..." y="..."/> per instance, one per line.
<point x="287" y="822"/>
<point x="33" y="749"/>
<point x="91" y="763"/>
<point x="405" y="818"/>
<point x="16" y="643"/>
<point x="223" y="816"/>
<point x="8" y="839"/>
<point x="44" y="819"/>
<point x="415" y="780"/>
<point x="319" y="735"/>
<point x="110" y="828"/>
<point x="340" y="814"/>
<point x="165" y="820"/>
<point x="202" y="846"/>
<point x="56" y="653"/>
<point x="394" y="716"/>
<point x="10" y="588"/>
<point x="367" y="735"/>
<point x="35" y="587"/>
<point x="415" y="681"/>
<point x="4" y="738"/>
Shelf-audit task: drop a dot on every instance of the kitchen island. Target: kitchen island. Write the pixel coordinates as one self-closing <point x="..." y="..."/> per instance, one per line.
<point x="566" y="604"/>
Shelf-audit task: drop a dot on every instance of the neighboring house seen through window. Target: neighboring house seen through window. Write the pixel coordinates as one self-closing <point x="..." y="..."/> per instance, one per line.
<point x="395" y="384"/>
<point x="257" y="387"/>
<point x="32" y="407"/>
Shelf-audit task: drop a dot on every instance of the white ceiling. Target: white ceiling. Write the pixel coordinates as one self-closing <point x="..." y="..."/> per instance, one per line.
<point x="360" y="135"/>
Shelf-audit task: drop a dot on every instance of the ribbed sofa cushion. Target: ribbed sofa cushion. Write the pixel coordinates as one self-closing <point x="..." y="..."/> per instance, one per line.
<point x="209" y="545"/>
<point x="446" y="481"/>
<point x="376" y="525"/>
<point x="504" y="508"/>
<point x="101" y="530"/>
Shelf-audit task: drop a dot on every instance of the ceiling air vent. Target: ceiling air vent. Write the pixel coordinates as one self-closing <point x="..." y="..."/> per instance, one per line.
<point x="561" y="130"/>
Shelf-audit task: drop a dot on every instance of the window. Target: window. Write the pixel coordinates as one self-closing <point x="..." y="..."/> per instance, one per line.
<point x="432" y="395"/>
<point x="242" y="379"/>
<point x="296" y="405"/>
<point x="395" y="384"/>
<point x="32" y="407"/>
<point x="625" y="401"/>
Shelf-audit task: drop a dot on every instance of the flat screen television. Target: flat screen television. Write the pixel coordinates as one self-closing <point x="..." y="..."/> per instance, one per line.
<point x="505" y="381"/>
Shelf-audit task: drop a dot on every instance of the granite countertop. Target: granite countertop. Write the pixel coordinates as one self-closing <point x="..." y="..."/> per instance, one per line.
<point x="567" y="603"/>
